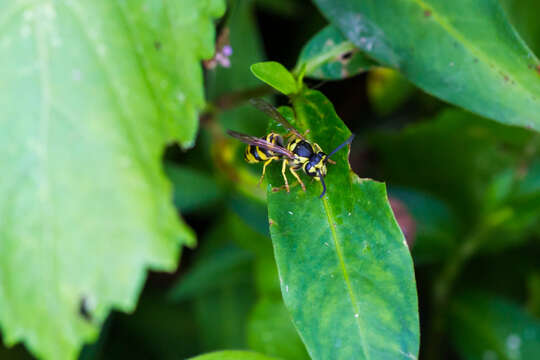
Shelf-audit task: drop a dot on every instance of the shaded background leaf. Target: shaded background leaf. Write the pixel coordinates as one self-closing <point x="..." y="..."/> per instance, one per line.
<point x="448" y="54"/>
<point x="487" y="327"/>
<point x="329" y="55"/>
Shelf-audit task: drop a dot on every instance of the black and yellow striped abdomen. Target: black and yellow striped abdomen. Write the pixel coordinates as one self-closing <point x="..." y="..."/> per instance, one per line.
<point x="255" y="154"/>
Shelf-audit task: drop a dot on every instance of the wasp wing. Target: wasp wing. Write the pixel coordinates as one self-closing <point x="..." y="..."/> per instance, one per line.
<point x="271" y="111"/>
<point x="253" y="140"/>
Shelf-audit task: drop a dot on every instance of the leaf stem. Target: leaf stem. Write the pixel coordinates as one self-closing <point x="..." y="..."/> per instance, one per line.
<point x="444" y="282"/>
<point x="236" y="98"/>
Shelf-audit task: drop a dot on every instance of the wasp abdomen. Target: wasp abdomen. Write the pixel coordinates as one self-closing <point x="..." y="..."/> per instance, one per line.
<point x="255" y="154"/>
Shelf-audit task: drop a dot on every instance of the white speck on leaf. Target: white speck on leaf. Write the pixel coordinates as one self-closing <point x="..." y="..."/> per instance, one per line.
<point x="25" y="31"/>
<point x="290" y="212"/>
<point x="349" y="214"/>
<point x="409" y="355"/>
<point x="101" y="49"/>
<point x="513" y="342"/>
<point x="356" y="315"/>
<point x="326" y="243"/>
<point x="369" y="46"/>
<point x="287" y="288"/>
<point x="180" y="97"/>
<point x="76" y="74"/>
<point x="6" y="42"/>
<point x="489" y="355"/>
<point x="93" y="33"/>
<point x="452" y="64"/>
<point x="28" y="15"/>
<point x="49" y="11"/>
<point x="56" y="41"/>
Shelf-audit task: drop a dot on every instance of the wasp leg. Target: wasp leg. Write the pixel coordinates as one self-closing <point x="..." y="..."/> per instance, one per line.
<point x="297" y="178"/>
<point x="264" y="171"/>
<point x="331" y="161"/>
<point x="306" y="132"/>
<point x="283" y="168"/>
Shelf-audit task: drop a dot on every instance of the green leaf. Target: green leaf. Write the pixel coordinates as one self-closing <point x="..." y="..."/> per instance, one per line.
<point x="387" y="90"/>
<point x="434" y="45"/>
<point x="232" y="355"/>
<point x="275" y="75"/>
<point x="487" y="327"/>
<point x="220" y="286"/>
<point x="201" y="278"/>
<point x="270" y="331"/>
<point x="91" y="93"/>
<point x="329" y="55"/>
<point x="193" y="189"/>
<point x="522" y="15"/>
<point x="345" y="270"/>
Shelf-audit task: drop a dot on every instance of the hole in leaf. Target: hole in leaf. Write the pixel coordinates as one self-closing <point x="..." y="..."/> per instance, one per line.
<point x="85" y="308"/>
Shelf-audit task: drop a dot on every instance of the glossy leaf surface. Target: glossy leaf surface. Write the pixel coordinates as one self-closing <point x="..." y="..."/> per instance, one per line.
<point x="275" y="75"/>
<point x="270" y="330"/>
<point x="487" y="327"/>
<point x="330" y="55"/>
<point x="86" y="208"/>
<point x="448" y="49"/>
<point x="345" y="270"/>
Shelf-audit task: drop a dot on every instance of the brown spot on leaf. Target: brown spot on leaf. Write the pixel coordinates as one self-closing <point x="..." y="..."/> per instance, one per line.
<point x="538" y="69"/>
<point x="506" y="78"/>
<point x="157" y="45"/>
<point x="271" y="222"/>
<point x="427" y="13"/>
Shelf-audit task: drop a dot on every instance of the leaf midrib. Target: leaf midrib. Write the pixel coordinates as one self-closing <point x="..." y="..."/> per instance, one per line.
<point x="300" y="117"/>
<point x="345" y="273"/>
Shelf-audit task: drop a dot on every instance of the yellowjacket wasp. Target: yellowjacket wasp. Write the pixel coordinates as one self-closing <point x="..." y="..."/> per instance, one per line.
<point x="298" y="154"/>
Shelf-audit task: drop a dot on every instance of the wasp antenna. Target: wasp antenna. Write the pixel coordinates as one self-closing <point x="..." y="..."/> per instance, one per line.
<point x="346" y="142"/>
<point x="323" y="184"/>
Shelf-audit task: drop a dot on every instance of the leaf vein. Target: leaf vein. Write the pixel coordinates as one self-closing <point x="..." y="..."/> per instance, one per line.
<point x="345" y="273"/>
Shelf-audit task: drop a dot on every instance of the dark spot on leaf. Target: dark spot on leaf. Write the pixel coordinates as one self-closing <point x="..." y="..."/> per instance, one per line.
<point x="347" y="55"/>
<point x="84" y="309"/>
<point x="475" y="60"/>
<point x="157" y="45"/>
<point x="427" y="13"/>
<point x="505" y="77"/>
<point x="538" y="69"/>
